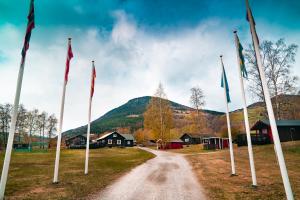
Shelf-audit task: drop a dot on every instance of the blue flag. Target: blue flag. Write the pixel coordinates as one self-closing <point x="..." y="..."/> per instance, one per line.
<point x="226" y="84"/>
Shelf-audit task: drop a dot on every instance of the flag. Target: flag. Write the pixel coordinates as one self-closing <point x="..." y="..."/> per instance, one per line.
<point x="249" y="13"/>
<point x="30" y="26"/>
<point x="93" y="80"/>
<point x="69" y="57"/>
<point x="226" y="84"/>
<point x="242" y="59"/>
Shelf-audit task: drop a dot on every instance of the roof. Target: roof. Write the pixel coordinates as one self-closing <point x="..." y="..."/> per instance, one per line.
<point x="197" y="135"/>
<point x="176" y="140"/>
<point x="278" y="123"/>
<point x="105" y="135"/>
<point x="193" y="135"/>
<point x="70" y="138"/>
<point x="128" y="136"/>
<point x="284" y="122"/>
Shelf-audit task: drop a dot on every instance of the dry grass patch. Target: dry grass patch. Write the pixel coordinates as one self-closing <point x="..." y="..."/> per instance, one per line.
<point x="31" y="174"/>
<point x="213" y="171"/>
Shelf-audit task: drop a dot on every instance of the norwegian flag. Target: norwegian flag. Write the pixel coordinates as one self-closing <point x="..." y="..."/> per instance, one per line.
<point x="93" y="80"/>
<point x="30" y="26"/>
<point x="69" y="57"/>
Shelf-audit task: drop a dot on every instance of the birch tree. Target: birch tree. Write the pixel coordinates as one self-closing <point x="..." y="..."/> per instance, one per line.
<point x="277" y="58"/>
<point x="197" y="101"/>
<point x="159" y="115"/>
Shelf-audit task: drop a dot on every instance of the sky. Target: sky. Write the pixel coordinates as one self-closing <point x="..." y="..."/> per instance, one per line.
<point x="135" y="44"/>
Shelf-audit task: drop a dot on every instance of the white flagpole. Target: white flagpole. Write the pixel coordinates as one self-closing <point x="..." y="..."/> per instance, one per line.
<point x="11" y="131"/>
<point x="246" y="119"/>
<point x="228" y="124"/>
<point x="89" y="127"/>
<point x="61" y="117"/>
<point x="276" y="139"/>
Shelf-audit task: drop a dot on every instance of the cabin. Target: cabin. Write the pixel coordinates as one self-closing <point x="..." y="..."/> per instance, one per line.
<point x="210" y="143"/>
<point x="79" y="142"/>
<point x="288" y="130"/>
<point x="76" y="142"/>
<point x="191" y="138"/>
<point x="175" y="144"/>
<point x="115" y="139"/>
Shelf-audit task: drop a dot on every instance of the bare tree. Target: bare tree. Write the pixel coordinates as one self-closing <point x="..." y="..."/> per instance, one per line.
<point x="32" y="123"/>
<point x="197" y="101"/>
<point x="42" y="122"/>
<point x="5" y="119"/>
<point x="277" y="58"/>
<point x="51" y="127"/>
<point x="21" y="123"/>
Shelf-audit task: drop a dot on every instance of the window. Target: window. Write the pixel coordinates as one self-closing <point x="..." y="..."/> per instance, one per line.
<point x="119" y="141"/>
<point x="114" y="135"/>
<point x="186" y="139"/>
<point x="109" y="141"/>
<point x="265" y="131"/>
<point x="103" y="141"/>
<point x="128" y="142"/>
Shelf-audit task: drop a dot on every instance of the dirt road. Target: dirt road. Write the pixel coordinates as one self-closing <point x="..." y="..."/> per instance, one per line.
<point x="168" y="176"/>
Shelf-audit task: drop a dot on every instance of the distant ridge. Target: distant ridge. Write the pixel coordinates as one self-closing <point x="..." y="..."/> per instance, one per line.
<point x="129" y="114"/>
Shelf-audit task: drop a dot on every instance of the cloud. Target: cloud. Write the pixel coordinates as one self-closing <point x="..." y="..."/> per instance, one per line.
<point x="130" y="62"/>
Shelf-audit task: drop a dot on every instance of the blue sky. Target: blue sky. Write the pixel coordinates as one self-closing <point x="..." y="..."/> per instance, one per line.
<point x="136" y="44"/>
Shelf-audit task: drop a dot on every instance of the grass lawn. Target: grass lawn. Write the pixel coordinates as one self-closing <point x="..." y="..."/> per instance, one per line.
<point x="31" y="174"/>
<point x="213" y="171"/>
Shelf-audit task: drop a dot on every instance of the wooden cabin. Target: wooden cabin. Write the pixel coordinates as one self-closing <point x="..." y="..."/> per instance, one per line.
<point x="116" y="139"/>
<point x="175" y="144"/>
<point x="76" y="142"/>
<point x="210" y="143"/>
<point x="288" y="130"/>
<point x="192" y="138"/>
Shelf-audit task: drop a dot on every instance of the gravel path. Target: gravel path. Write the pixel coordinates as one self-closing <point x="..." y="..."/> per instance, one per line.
<point x="168" y="176"/>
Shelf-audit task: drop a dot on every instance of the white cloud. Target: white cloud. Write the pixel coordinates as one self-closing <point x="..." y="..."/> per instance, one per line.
<point x="130" y="62"/>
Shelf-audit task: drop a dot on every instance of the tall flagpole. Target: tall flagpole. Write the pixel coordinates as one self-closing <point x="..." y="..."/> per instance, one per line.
<point x="56" y="167"/>
<point x="246" y="119"/>
<point x="276" y="139"/>
<point x="228" y="122"/>
<point x="11" y="132"/>
<point x="89" y="125"/>
<point x="10" y="140"/>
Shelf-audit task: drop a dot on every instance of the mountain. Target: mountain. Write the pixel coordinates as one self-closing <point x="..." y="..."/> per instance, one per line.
<point x="129" y="114"/>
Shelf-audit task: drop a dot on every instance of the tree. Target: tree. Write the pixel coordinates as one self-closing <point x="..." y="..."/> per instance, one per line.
<point x="51" y="126"/>
<point x="5" y="119"/>
<point x="32" y="123"/>
<point x="277" y="59"/>
<point x="21" y="123"/>
<point x="159" y="116"/>
<point x="42" y="122"/>
<point x="197" y="101"/>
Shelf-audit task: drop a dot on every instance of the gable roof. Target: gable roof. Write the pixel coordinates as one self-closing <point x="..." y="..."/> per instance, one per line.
<point x="258" y="124"/>
<point x="284" y="122"/>
<point x="196" y="135"/>
<point x="128" y="136"/>
<point x="70" y="138"/>
<point x="107" y="134"/>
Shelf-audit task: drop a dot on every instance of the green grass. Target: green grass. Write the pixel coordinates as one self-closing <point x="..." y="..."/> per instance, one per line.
<point x="31" y="174"/>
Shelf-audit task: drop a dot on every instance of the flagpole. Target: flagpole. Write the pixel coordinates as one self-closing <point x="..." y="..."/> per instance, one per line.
<point x="228" y="123"/>
<point x="56" y="166"/>
<point x="12" y="130"/>
<point x="246" y="118"/>
<point x="89" y="126"/>
<point x="276" y="139"/>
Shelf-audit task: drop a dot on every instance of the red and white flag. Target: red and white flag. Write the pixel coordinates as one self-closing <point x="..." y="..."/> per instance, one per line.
<point x="69" y="57"/>
<point x="93" y="80"/>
